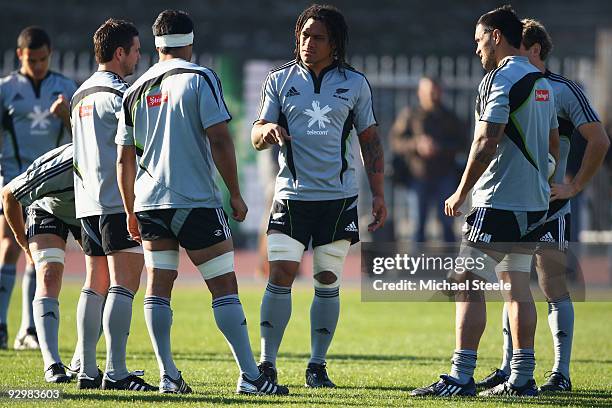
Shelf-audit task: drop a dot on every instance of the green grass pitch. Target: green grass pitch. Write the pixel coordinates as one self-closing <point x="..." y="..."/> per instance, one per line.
<point x="380" y="352"/>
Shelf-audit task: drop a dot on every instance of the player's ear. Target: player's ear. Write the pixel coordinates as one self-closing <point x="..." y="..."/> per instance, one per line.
<point x="19" y="52"/>
<point x="535" y="50"/>
<point x="496" y="35"/>
<point x="119" y="53"/>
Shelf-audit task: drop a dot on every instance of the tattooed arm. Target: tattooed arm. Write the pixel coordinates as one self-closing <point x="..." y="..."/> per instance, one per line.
<point x="486" y="138"/>
<point x="374" y="163"/>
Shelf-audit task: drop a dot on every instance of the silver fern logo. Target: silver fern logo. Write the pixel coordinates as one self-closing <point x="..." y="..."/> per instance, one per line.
<point x="318" y="115"/>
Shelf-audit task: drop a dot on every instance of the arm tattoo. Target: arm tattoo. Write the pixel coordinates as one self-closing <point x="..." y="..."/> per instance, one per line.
<point x="372" y="152"/>
<point x="483" y="156"/>
<point x="486" y="143"/>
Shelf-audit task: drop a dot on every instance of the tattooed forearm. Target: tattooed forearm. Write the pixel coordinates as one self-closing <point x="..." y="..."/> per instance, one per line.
<point x="486" y="140"/>
<point x="372" y="151"/>
<point x="373" y="160"/>
<point x="484" y="147"/>
<point x="483" y="155"/>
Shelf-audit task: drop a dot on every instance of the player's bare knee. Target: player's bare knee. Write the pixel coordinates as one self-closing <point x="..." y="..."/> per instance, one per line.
<point x="283" y="273"/>
<point x="223" y="285"/>
<point x="51" y="275"/>
<point x="554" y="292"/>
<point x="49" y="280"/>
<point x="326" y="277"/>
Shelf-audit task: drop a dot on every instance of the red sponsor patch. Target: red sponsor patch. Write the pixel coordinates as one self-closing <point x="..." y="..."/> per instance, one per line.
<point x="154" y="100"/>
<point x="157" y="99"/>
<point x="541" y="95"/>
<point x="85" y="110"/>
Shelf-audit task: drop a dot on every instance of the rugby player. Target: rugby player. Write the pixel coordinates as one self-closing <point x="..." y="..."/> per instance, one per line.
<point x="310" y="107"/>
<point x="516" y="130"/>
<point x="174" y="125"/>
<point x="111" y="254"/>
<point x="35" y="119"/>
<point x="47" y="189"/>
<point x="574" y="112"/>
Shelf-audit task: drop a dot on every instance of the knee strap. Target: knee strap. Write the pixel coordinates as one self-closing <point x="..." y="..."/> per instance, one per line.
<point x="47" y="255"/>
<point x="162" y="259"/>
<point x="515" y="263"/>
<point x="282" y="247"/>
<point x="218" y="266"/>
<point x="330" y="257"/>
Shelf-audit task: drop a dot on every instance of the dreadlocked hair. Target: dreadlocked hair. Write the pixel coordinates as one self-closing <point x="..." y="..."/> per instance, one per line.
<point x="336" y="29"/>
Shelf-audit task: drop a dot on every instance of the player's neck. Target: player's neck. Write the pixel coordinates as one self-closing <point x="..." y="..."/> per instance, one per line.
<point x="318" y="67"/>
<point x="111" y="67"/>
<point x="33" y="80"/>
<point x="183" y="53"/>
<point x="539" y="65"/>
<point x="504" y="52"/>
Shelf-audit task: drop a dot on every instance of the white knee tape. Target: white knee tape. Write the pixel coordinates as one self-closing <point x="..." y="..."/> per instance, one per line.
<point x="133" y="250"/>
<point x="217" y="266"/>
<point x="282" y="247"/>
<point x="515" y="263"/>
<point x="162" y="259"/>
<point x="47" y="255"/>
<point x="484" y="266"/>
<point x="330" y="257"/>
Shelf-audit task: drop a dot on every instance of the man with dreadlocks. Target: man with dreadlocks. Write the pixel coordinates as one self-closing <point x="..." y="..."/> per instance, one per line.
<point x="309" y="107"/>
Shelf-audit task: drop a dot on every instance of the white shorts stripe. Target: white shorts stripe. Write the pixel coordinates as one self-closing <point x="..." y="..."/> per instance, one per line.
<point x="221" y="218"/>
<point x="477" y="225"/>
<point x="229" y="231"/>
<point x="471" y="234"/>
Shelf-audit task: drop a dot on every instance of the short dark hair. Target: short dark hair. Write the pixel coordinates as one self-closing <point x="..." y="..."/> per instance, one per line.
<point x="33" y="37"/>
<point x="505" y="20"/>
<point x="172" y="22"/>
<point x="113" y="34"/>
<point x="335" y="24"/>
<point x="535" y="32"/>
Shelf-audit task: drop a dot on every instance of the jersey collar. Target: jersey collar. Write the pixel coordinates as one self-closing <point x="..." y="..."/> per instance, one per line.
<point x="35" y="88"/>
<point x="317" y="81"/>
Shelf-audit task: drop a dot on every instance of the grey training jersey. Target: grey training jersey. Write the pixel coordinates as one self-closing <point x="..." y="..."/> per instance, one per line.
<point x="319" y="114"/>
<point x="165" y="116"/>
<point x="29" y="129"/>
<point x="573" y="110"/>
<point x="516" y="94"/>
<point x="95" y="109"/>
<point x="48" y="185"/>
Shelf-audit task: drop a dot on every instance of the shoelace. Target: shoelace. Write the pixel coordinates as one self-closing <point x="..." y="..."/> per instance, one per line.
<point x="321" y="370"/>
<point x="557" y="379"/>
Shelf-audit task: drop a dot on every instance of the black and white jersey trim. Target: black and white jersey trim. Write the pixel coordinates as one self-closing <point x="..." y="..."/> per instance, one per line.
<point x="588" y="111"/>
<point x="36" y="181"/>
<point x="262" y="96"/>
<point x="484" y="96"/>
<point x="91" y="91"/>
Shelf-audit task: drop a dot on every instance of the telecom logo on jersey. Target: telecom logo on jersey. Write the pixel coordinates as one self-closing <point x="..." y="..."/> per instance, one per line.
<point x="317" y="115"/>
<point x="541" y="95"/>
<point x="157" y="99"/>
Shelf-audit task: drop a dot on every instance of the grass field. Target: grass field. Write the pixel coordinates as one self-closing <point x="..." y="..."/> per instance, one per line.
<point x="380" y="352"/>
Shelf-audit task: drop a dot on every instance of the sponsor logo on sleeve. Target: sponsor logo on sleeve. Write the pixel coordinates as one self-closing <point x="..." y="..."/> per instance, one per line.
<point x="157" y="99"/>
<point x="85" y="110"/>
<point x="542" y="95"/>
